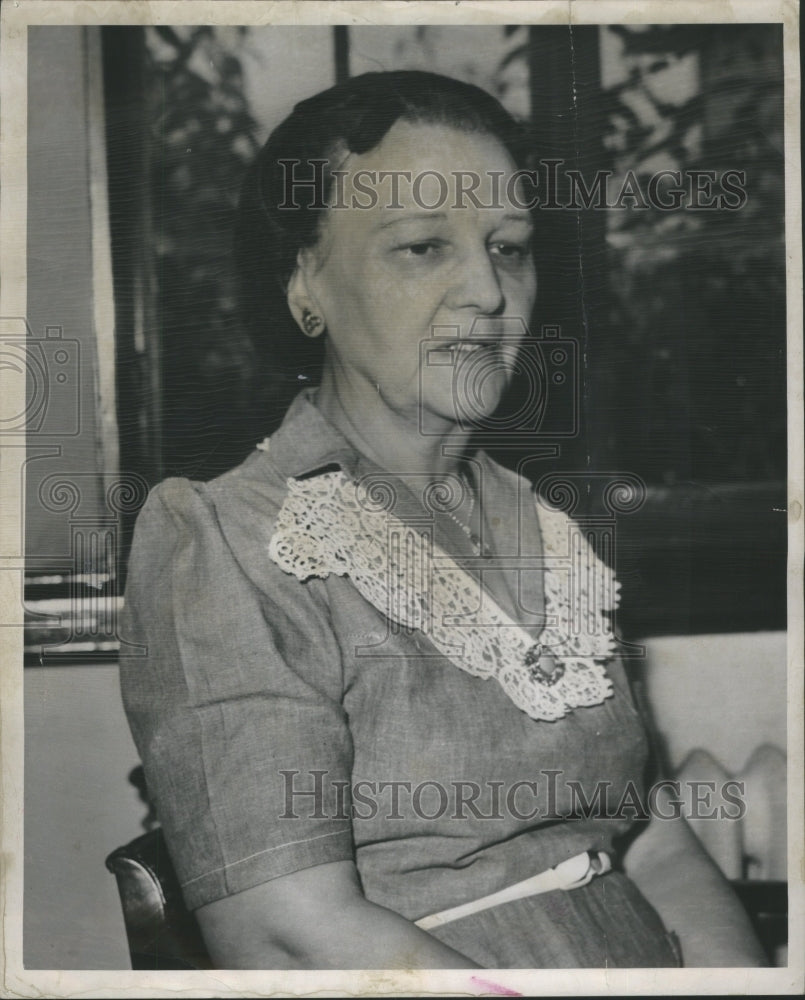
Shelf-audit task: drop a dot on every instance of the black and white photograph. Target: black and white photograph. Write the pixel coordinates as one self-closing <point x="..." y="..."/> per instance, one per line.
<point x="402" y="475"/>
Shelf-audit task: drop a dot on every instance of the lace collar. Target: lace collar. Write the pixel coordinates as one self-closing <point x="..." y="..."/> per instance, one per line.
<point x="328" y="524"/>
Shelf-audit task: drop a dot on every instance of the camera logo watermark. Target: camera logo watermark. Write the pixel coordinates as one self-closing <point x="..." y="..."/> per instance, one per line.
<point x="494" y="352"/>
<point x="71" y="603"/>
<point x="51" y="366"/>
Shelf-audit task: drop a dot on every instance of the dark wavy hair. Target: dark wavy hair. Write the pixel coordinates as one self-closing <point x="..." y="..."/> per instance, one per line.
<point x="352" y="117"/>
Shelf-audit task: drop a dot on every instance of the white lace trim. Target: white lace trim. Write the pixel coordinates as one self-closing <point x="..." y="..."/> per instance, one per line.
<point x="328" y="525"/>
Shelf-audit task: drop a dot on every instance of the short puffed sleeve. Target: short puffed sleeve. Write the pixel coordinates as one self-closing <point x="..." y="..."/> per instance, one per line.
<point x="232" y="692"/>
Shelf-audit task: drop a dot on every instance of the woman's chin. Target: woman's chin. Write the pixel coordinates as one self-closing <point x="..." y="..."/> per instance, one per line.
<point x="468" y="411"/>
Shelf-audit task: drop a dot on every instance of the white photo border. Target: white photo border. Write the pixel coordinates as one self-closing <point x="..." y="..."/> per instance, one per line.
<point x="17" y="981"/>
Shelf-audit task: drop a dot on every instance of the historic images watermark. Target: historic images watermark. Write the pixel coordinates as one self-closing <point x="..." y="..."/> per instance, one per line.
<point x="546" y="796"/>
<point x="549" y="188"/>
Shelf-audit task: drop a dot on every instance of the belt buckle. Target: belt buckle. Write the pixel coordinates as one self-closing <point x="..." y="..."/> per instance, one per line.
<point x="581" y="869"/>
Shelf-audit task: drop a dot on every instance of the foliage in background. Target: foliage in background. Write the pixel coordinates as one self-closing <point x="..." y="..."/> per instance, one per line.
<point x="202" y="139"/>
<point x="699" y="296"/>
<point x="691" y="373"/>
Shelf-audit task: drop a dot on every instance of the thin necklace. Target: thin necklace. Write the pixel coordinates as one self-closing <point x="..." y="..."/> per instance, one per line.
<point x="475" y="541"/>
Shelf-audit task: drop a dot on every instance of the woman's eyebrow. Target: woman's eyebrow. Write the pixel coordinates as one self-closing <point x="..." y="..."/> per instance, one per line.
<point x="441" y="216"/>
<point x="413" y="217"/>
<point x="518" y="217"/>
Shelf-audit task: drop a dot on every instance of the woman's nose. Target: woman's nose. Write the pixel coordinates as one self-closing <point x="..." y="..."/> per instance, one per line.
<point x="477" y="284"/>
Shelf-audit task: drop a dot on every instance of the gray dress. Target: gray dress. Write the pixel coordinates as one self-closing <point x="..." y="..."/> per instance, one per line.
<point x="285" y="723"/>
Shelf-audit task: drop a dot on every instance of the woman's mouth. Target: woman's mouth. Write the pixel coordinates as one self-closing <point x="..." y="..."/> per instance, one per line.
<point x="465" y="348"/>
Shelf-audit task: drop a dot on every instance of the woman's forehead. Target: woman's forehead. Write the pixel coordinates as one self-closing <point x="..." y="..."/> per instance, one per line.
<point x="420" y="143"/>
<point x="423" y="167"/>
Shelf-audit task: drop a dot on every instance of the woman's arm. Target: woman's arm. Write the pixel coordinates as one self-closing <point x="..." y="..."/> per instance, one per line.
<point x="317" y="918"/>
<point x="676" y="875"/>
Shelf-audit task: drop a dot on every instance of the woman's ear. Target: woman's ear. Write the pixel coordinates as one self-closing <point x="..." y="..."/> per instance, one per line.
<point x="303" y="305"/>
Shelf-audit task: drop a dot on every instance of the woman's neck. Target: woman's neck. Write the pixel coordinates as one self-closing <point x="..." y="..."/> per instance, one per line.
<point x="392" y="440"/>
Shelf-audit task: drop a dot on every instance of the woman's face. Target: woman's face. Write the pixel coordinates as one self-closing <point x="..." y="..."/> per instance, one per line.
<point x="401" y="284"/>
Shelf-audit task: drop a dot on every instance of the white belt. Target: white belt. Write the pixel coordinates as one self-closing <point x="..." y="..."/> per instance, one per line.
<point x="570" y="874"/>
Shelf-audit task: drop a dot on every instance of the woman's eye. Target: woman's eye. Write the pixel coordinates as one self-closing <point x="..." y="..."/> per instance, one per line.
<point x="517" y="251"/>
<point x="423" y="249"/>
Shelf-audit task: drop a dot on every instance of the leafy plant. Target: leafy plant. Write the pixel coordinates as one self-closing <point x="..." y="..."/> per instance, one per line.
<point x="202" y="138"/>
<point x="690" y="356"/>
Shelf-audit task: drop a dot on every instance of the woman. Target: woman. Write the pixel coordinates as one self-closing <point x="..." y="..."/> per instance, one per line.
<point x="363" y="704"/>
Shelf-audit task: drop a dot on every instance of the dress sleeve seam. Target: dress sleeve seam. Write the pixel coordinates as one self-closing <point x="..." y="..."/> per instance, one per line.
<point x="257" y="854"/>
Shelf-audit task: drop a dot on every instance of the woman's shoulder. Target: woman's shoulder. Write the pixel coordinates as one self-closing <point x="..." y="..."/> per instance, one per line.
<point x="213" y="527"/>
<point x="173" y="500"/>
<point x="252" y="487"/>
